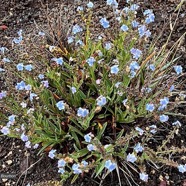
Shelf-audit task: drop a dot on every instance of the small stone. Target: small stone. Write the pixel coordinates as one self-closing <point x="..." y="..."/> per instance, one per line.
<point x="9" y="162"/>
<point x="4" y="180"/>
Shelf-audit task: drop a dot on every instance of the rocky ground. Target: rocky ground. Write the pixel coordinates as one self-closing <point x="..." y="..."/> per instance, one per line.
<point x="25" y="165"/>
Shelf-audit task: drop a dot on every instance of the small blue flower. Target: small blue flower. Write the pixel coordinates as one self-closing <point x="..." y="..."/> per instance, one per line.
<point x="6" y="60"/>
<point x="70" y="40"/>
<point x="11" y="118"/>
<point x="41" y="76"/>
<point x="17" y="40"/>
<point x="59" y="60"/>
<point x="2" y="70"/>
<point x="3" y="49"/>
<point x="75" y="168"/>
<point x="73" y="89"/>
<point x="171" y="88"/>
<point x="28" y="67"/>
<point x="76" y="29"/>
<point x="177" y="123"/>
<point x="88" y="138"/>
<point x="24" y="137"/>
<point x="61" y="170"/>
<point x="28" y="144"/>
<point x="84" y="163"/>
<point x="5" y="130"/>
<point x="136" y="53"/>
<point x="150" y="107"/>
<point x="110" y="165"/>
<point x="51" y="154"/>
<point x="164" y="102"/>
<point x="45" y="83"/>
<point x="124" y="28"/>
<point x="32" y="95"/>
<point x="20" y="86"/>
<point x="101" y="101"/>
<point x="114" y="69"/>
<point x="147" y="12"/>
<point x="90" y="61"/>
<point x="79" y="42"/>
<point x="134" y="66"/>
<point x="142" y="30"/>
<point x="82" y="112"/>
<point x="178" y="69"/>
<point x="20" y="66"/>
<point x="150" y="18"/>
<point x="91" y="147"/>
<point x="61" y="163"/>
<point x="138" y="148"/>
<point x="153" y="129"/>
<point x="135" y="24"/>
<point x="90" y="4"/>
<point x="104" y="23"/>
<point x="28" y="87"/>
<point x="182" y="168"/>
<point x="112" y="3"/>
<point x="108" y="46"/>
<point x="41" y="33"/>
<point x="164" y="118"/>
<point x="117" y="84"/>
<point x="2" y="94"/>
<point x="140" y="131"/>
<point x="79" y="8"/>
<point x="131" y="158"/>
<point x="60" y="105"/>
<point x="134" y="7"/>
<point x="151" y="67"/>
<point x="144" y="176"/>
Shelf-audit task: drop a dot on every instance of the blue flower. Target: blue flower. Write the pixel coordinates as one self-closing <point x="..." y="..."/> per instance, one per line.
<point x="84" y="163"/>
<point x="171" y="88"/>
<point x="124" y="28"/>
<point x="20" y="66"/>
<point x="177" y="123"/>
<point x="101" y="101"/>
<point x="41" y="76"/>
<point x="136" y="53"/>
<point x="140" y="131"/>
<point x="41" y="33"/>
<point x="134" y="66"/>
<point x="20" y="86"/>
<point x="150" y="107"/>
<point x="144" y="176"/>
<point x="91" y="147"/>
<point x="17" y="40"/>
<point x="164" y="102"/>
<point x="2" y="94"/>
<point x="2" y="70"/>
<point x="28" y="87"/>
<point x="59" y="60"/>
<point x="164" y="118"/>
<point x="60" y="105"/>
<point x="61" y="163"/>
<point x="5" y="130"/>
<point x="90" y="5"/>
<point x="147" y="12"/>
<point x="88" y="138"/>
<point x="76" y="29"/>
<point x="138" y="148"/>
<point x="70" y="40"/>
<point x="131" y="158"/>
<point x="79" y="8"/>
<point x="73" y="89"/>
<point x="45" y="83"/>
<point x="6" y="60"/>
<point x="104" y="23"/>
<point x="82" y="112"/>
<point x="90" y="61"/>
<point x="182" y="168"/>
<point x="150" y="18"/>
<point x="134" y="7"/>
<point x="28" y="144"/>
<point x="75" y="168"/>
<point x="3" y="49"/>
<point x="178" y="69"/>
<point x="108" y="46"/>
<point x="24" y="137"/>
<point x="61" y="170"/>
<point x="11" y="118"/>
<point x="112" y="3"/>
<point x="135" y="24"/>
<point x="32" y="95"/>
<point x="110" y="165"/>
<point x="28" y="67"/>
<point x="151" y="67"/>
<point x="51" y="154"/>
<point x="142" y="30"/>
<point x="114" y="69"/>
<point x="153" y="129"/>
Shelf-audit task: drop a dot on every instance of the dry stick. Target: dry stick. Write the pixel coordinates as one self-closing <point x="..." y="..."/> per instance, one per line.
<point x="27" y="170"/>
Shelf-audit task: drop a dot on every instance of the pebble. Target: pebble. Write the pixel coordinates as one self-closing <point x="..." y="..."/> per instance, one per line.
<point x="9" y="162"/>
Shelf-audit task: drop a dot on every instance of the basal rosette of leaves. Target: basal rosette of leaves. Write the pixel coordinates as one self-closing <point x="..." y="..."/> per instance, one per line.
<point x="79" y="106"/>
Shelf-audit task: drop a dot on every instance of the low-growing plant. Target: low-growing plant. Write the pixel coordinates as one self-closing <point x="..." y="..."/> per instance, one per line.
<point x="96" y="104"/>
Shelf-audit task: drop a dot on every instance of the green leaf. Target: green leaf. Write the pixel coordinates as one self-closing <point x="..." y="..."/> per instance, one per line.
<point x="74" y="178"/>
<point x="100" y="132"/>
<point x="100" y="168"/>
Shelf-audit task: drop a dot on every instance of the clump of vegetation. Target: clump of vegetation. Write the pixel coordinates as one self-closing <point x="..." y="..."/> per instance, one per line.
<point x="95" y="104"/>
